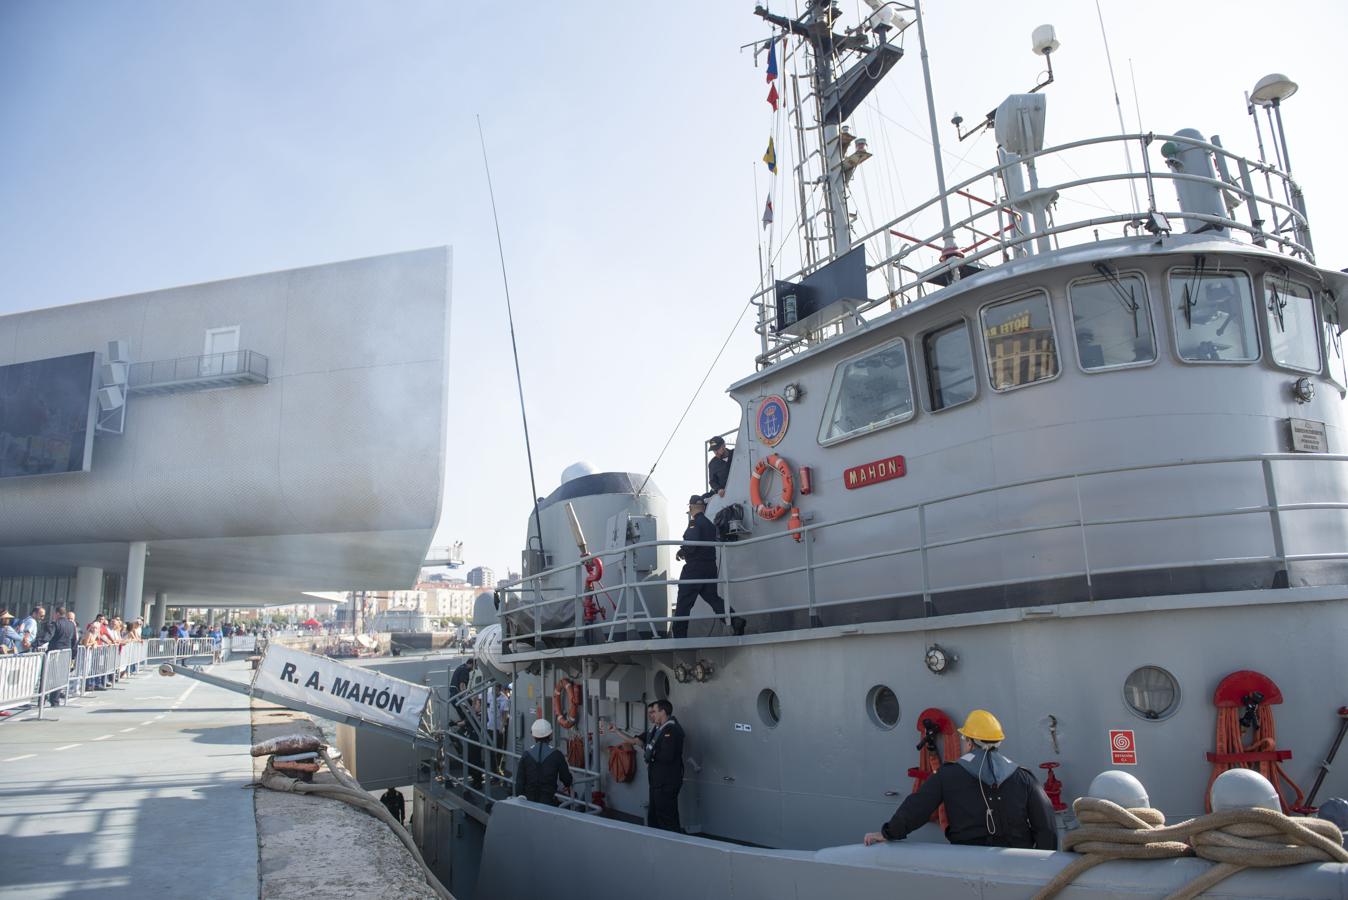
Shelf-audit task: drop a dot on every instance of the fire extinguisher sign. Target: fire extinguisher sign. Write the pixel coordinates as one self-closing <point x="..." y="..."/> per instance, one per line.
<point x="1122" y="748"/>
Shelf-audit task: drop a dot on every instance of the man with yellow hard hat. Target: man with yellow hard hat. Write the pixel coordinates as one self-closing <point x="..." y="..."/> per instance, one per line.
<point x="989" y="800"/>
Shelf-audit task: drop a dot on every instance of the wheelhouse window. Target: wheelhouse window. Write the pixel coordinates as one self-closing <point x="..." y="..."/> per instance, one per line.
<point x="1332" y="341"/>
<point x="1291" y="324"/>
<point x="1112" y="321"/>
<point x="950" y="366"/>
<point x="869" y="392"/>
<point x="1214" y="316"/>
<point x="1018" y="335"/>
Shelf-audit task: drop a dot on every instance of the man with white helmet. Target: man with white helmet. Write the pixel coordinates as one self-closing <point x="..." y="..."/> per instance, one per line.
<point x="989" y="800"/>
<point x="541" y="767"/>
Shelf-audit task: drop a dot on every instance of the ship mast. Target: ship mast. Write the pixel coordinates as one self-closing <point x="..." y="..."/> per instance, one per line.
<point x="836" y="98"/>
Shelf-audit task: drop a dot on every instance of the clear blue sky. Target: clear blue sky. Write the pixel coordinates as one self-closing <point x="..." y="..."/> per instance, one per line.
<point x="155" y="143"/>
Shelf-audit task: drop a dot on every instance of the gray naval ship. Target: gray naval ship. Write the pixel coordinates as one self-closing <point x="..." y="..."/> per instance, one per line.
<point x="1085" y="473"/>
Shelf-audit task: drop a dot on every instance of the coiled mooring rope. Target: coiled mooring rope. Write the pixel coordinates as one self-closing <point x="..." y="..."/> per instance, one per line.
<point x="1235" y="839"/>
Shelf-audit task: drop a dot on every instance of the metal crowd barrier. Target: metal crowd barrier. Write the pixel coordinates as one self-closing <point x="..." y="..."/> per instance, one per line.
<point x="20" y="678"/>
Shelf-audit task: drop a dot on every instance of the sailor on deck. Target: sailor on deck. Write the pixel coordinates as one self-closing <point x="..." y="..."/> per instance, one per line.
<point x="541" y="767"/>
<point x="663" y="744"/>
<point x="989" y="800"/>
<point x="698" y="577"/>
<point x="718" y="467"/>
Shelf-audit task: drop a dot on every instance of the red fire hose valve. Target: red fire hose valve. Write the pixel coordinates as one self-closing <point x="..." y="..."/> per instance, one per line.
<point x="1053" y="787"/>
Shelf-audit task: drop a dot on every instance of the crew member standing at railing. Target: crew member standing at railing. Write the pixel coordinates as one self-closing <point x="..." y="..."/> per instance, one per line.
<point x="699" y="574"/>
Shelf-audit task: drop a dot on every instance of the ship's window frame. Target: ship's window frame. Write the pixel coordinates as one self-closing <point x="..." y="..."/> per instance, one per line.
<point x="987" y="348"/>
<point x="1331" y="336"/>
<point x="929" y="402"/>
<point x="835" y="390"/>
<point x="1153" y="715"/>
<point x="877" y="715"/>
<point x="769" y="708"/>
<point x="1175" y="315"/>
<point x="1145" y="304"/>
<point x="1271" y="281"/>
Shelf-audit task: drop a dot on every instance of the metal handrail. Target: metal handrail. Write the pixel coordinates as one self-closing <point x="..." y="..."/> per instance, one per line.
<point x="999" y="241"/>
<point x="196" y="368"/>
<point x="1272" y="508"/>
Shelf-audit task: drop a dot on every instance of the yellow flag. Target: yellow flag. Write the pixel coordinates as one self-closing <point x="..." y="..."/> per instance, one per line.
<point x="770" y="157"/>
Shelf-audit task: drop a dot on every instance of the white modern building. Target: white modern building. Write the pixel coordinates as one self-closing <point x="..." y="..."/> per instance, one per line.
<point x="246" y="440"/>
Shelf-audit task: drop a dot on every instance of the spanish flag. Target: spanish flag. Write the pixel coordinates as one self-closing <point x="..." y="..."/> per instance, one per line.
<point x="770" y="157"/>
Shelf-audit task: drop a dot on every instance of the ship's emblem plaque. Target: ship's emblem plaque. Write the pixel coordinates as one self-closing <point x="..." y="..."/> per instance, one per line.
<point x="773" y="419"/>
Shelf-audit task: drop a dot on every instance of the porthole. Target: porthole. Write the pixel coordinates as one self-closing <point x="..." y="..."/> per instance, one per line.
<point x="883" y="707"/>
<point x="1151" y="692"/>
<point x="769" y="707"/>
<point x="661" y="686"/>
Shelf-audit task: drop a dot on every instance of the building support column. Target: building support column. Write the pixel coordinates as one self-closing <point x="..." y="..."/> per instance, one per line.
<point x="210" y="616"/>
<point x="135" y="581"/>
<point x="160" y="611"/>
<point x="88" y="593"/>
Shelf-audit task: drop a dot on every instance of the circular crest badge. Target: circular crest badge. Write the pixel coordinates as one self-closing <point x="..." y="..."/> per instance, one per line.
<point x="773" y="419"/>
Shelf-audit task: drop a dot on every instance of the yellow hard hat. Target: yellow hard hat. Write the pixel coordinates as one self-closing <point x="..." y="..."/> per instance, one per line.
<point x="982" y="725"/>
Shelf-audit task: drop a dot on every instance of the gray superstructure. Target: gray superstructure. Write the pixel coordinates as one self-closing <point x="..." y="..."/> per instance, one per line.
<point x="1073" y="471"/>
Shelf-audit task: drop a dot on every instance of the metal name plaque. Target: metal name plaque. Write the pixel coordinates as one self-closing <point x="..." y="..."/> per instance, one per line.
<point x="874" y="472"/>
<point x="1308" y="436"/>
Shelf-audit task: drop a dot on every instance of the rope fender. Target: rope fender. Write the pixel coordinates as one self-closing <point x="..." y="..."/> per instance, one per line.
<point x="1234" y="839"/>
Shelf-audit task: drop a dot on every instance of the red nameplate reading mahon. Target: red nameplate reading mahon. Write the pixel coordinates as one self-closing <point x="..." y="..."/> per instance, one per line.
<point x="874" y="472"/>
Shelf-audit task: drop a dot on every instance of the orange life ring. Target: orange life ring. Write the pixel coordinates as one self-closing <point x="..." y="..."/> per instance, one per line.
<point x="567" y="719"/>
<point x="788" y="487"/>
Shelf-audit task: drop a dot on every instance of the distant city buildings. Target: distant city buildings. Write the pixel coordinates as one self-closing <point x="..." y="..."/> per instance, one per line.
<point x="482" y="577"/>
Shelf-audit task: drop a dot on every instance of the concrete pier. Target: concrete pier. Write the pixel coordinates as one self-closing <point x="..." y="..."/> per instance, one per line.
<point x="132" y="792"/>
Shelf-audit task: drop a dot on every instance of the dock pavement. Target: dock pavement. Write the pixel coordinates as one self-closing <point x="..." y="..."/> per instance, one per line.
<point x="137" y="791"/>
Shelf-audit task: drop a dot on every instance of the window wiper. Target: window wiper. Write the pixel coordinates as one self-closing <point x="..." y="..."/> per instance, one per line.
<point x="1276" y="306"/>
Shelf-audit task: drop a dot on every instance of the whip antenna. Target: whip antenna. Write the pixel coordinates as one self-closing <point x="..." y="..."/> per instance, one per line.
<point x="1118" y="107"/>
<point x="514" y="349"/>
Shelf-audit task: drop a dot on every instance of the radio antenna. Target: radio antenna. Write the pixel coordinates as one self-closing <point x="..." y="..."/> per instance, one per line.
<point x="1118" y="106"/>
<point x="514" y="348"/>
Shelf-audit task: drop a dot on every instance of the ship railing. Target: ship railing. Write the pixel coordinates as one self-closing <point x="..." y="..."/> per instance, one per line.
<point x="1004" y="229"/>
<point x="481" y="783"/>
<point x="630" y="611"/>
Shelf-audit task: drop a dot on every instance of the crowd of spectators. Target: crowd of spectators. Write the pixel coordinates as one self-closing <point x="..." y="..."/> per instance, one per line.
<point x="37" y="633"/>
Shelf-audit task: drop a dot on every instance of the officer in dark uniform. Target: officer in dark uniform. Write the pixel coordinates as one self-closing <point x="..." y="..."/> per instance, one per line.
<point x="718" y="467"/>
<point x="699" y="565"/>
<point x="663" y="743"/>
<point x="541" y="767"/>
<point x="989" y="800"/>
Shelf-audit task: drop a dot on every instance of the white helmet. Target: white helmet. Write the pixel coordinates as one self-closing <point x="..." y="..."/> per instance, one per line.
<point x="541" y="729"/>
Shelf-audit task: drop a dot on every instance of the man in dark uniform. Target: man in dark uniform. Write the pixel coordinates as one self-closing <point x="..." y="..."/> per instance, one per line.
<point x="458" y="682"/>
<point x="718" y="467"/>
<point x="699" y="566"/>
<point x="59" y="634"/>
<point x="541" y="767"/>
<point x="989" y="800"/>
<point x="395" y="804"/>
<point x="663" y="743"/>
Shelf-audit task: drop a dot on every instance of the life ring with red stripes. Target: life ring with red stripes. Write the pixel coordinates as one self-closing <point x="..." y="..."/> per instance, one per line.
<point x="776" y="511"/>
<point x="571" y="690"/>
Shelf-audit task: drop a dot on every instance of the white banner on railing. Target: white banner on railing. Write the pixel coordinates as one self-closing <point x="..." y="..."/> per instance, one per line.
<point x="328" y="684"/>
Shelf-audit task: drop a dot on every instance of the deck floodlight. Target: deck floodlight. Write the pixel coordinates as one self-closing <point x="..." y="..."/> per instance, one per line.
<point x="1044" y="41"/>
<point x="1272" y="90"/>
